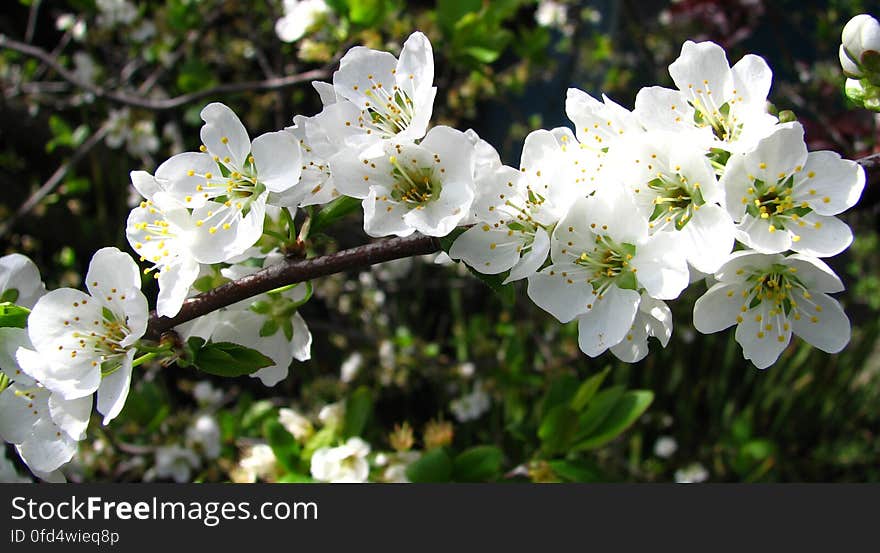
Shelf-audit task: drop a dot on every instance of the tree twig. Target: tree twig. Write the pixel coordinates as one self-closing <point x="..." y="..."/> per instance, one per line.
<point x="166" y="103"/>
<point x="54" y="180"/>
<point x="292" y="271"/>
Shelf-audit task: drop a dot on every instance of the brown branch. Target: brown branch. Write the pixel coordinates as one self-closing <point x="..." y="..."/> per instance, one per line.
<point x="292" y="271"/>
<point x="167" y="103"/>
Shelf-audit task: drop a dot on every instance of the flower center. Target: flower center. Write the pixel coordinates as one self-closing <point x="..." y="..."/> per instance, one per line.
<point x="774" y="202"/>
<point x="779" y="287"/>
<point x="103" y="342"/>
<point x="707" y="113"/>
<point x="676" y="200"/>
<point x="390" y="111"/>
<point x="609" y="263"/>
<point x="415" y="185"/>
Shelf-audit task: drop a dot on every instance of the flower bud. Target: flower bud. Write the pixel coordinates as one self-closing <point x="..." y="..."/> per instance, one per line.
<point x="860" y="50"/>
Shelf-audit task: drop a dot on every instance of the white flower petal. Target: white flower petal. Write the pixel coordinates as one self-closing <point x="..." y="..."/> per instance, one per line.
<point x="71" y="416"/>
<point x="762" y="337"/>
<point x="44" y="451"/>
<point x="708" y="238"/>
<point x="145" y="183"/>
<point x="302" y="339"/>
<point x="114" y="389"/>
<point x="828" y="329"/>
<point x="10" y="340"/>
<point x="224" y="135"/>
<point x="278" y="159"/>
<point x="661" y="265"/>
<point x="533" y="259"/>
<point x="18" y="272"/>
<point x="383" y="217"/>
<point x="815" y="273"/>
<point x="182" y="175"/>
<point x="821" y="236"/>
<point x="608" y="322"/>
<point x="487" y="250"/>
<point x="756" y="233"/>
<point x="175" y="281"/>
<point x="829" y="184"/>
<point x="440" y="216"/>
<point x="562" y="291"/>
<point x="718" y="308"/>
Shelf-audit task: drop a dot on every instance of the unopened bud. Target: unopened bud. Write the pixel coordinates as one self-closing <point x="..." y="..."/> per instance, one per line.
<point x="438" y="434"/>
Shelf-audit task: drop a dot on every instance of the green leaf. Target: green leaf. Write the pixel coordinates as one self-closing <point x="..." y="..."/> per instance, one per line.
<point x="323" y="438"/>
<point x="481" y="463"/>
<point x="9" y="296"/>
<point x="449" y="12"/>
<point x="597" y="410"/>
<point x="358" y="408"/>
<point x="628" y="408"/>
<point x="576" y="471"/>
<point x="338" y="208"/>
<point x="230" y="360"/>
<point x="253" y="417"/>
<point x="12" y="315"/>
<point x="295" y="478"/>
<point x="433" y="466"/>
<point x="558" y="429"/>
<point x="285" y="447"/>
<point x="588" y="389"/>
<point x="561" y="391"/>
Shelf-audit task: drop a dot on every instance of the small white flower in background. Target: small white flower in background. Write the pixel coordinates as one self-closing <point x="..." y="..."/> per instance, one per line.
<point x="471" y="406"/>
<point x="346" y="463"/>
<point x="768" y="297"/>
<point x="394" y="466"/>
<point x="725" y="106"/>
<point x="238" y="174"/>
<point x="69" y="22"/>
<point x="785" y="197"/>
<point x="86" y="342"/>
<point x="516" y="210"/>
<point x="380" y="96"/>
<point x="295" y="423"/>
<point x="551" y="14"/>
<point x="174" y="462"/>
<point x="258" y="462"/>
<point x="206" y="394"/>
<point x="860" y="46"/>
<point x="332" y="414"/>
<point x="691" y="474"/>
<point x="299" y="16"/>
<point x="204" y="434"/>
<point x="406" y="187"/>
<point x="115" y="12"/>
<point x="8" y="474"/>
<point x="350" y="367"/>
<point x="20" y="281"/>
<point x="85" y="68"/>
<point x="665" y="447"/>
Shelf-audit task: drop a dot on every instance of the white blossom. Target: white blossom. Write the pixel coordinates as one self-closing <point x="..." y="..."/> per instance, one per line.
<point x="346" y="463"/>
<point x="20" y="281"/>
<point x="785" y="198"/>
<point x="725" y="106"/>
<point x="407" y="187"/>
<point x="769" y="297"/>
<point x="299" y="17"/>
<point x="86" y="342"/>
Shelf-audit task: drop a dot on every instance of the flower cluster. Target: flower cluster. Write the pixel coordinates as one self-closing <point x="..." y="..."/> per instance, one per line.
<point x="605" y="221"/>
